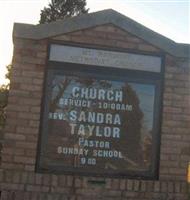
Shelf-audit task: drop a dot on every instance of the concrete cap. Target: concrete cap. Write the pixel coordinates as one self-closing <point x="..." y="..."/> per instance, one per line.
<point x="109" y="16"/>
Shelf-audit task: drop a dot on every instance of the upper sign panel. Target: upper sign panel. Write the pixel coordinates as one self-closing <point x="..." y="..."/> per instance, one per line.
<point x="123" y="60"/>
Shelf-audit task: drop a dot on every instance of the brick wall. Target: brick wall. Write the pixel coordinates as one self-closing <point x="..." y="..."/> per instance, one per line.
<point x="17" y="172"/>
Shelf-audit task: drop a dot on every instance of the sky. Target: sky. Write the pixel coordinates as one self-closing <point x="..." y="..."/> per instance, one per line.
<point x="170" y="18"/>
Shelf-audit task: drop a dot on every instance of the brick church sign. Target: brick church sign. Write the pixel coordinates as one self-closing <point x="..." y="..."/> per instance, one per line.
<point x="96" y="100"/>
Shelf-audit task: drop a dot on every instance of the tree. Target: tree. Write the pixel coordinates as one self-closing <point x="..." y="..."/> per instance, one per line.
<point x="61" y="9"/>
<point x="4" y="90"/>
<point x="3" y="104"/>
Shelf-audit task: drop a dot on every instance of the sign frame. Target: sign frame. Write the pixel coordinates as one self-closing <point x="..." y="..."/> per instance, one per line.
<point x="99" y="71"/>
